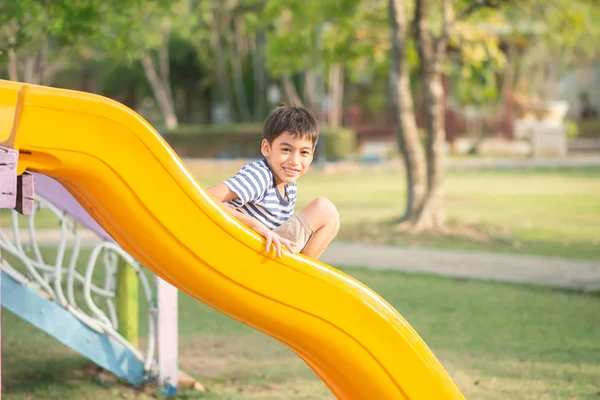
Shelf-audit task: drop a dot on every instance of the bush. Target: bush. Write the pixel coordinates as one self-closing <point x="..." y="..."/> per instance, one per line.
<point x="572" y="129"/>
<point x="589" y="128"/>
<point x="339" y="144"/>
<point x="243" y="141"/>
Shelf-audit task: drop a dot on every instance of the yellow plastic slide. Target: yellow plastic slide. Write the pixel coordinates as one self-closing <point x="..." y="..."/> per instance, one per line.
<point x="136" y="187"/>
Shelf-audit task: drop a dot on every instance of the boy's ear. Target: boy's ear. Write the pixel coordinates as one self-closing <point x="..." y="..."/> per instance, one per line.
<point x="265" y="148"/>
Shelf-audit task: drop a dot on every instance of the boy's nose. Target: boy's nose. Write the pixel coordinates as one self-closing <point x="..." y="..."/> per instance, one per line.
<point x="294" y="158"/>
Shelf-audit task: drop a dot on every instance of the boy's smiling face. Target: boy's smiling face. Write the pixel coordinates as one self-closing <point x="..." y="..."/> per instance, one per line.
<point x="288" y="157"/>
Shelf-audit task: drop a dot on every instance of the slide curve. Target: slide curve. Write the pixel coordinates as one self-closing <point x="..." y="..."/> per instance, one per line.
<point x="133" y="184"/>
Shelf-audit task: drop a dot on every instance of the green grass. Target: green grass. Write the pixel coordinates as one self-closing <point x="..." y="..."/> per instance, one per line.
<point x="547" y="212"/>
<point x="537" y="212"/>
<point x="497" y="341"/>
<point x="44" y="219"/>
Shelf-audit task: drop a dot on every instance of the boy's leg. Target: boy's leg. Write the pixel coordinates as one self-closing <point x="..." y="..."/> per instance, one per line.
<point x="324" y="220"/>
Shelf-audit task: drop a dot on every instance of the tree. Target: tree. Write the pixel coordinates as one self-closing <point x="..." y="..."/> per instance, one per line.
<point x="408" y="134"/>
<point x="568" y="29"/>
<point x="315" y="40"/>
<point x="432" y="53"/>
<point x="554" y="38"/>
<point x="35" y="35"/>
<point x="424" y="208"/>
<point x="123" y="29"/>
<point x="155" y="62"/>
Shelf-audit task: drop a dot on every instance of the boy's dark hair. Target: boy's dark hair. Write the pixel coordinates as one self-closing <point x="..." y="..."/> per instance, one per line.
<point x="296" y="120"/>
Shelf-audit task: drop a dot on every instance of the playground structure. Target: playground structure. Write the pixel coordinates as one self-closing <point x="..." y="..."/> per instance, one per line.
<point x="136" y="188"/>
<point x="98" y="318"/>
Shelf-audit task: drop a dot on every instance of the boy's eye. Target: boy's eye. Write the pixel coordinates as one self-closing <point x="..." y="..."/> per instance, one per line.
<point x="306" y="153"/>
<point x="285" y="149"/>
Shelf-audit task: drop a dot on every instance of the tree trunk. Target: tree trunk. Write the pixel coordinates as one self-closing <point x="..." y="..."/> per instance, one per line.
<point x="408" y="134"/>
<point x="260" y="87"/>
<point x="508" y="82"/>
<point x="310" y="88"/>
<point x="206" y="105"/>
<point x="222" y="78"/>
<point x="13" y="65"/>
<point x="162" y="94"/>
<point x="188" y="106"/>
<point x="431" y="53"/>
<point x="165" y="70"/>
<point x="130" y="97"/>
<point x="238" y="79"/>
<point x="42" y="66"/>
<point x="432" y="213"/>
<point x="290" y="90"/>
<point x="216" y="44"/>
<point x="50" y="66"/>
<point x="336" y="93"/>
<point x="29" y="68"/>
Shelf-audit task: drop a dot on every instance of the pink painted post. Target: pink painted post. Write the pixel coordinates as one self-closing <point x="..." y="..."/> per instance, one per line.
<point x="25" y="193"/>
<point x="8" y="178"/>
<point x="167" y="344"/>
<point x="8" y="200"/>
<point x="0" y="328"/>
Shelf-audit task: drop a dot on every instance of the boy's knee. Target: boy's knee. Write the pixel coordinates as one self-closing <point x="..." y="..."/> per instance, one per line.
<point x="328" y="210"/>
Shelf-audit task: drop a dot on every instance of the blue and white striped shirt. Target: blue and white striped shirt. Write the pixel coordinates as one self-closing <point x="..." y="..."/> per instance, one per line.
<point x="258" y="196"/>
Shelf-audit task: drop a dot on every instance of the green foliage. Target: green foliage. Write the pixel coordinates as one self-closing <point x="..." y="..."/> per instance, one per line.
<point x="186" y="69"/>
<point x="243" y="140"/>
<point x="339" y="144"/>
<point x="68" y="22"/>
<point x="19" y="21"/>
<point x="572" y="129"/>
<point x="589" y="128"/>
<point x="117" y="78"/>
<point x="552" y="38"/>
<point x="216" y="143"/>
<point x="475" y="85"/>
<point x="334" y="31"/>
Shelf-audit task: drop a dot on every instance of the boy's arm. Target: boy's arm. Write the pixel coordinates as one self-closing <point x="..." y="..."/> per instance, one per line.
<point x="223" y="194"/>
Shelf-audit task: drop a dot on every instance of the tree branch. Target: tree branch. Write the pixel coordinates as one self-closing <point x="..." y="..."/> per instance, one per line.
<point x="474" y="6"/>
<point x="449" y="23"/>
<point x="441" y="42"/>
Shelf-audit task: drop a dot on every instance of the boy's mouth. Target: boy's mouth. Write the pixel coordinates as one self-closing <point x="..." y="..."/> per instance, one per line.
<point x="291" y="171"/>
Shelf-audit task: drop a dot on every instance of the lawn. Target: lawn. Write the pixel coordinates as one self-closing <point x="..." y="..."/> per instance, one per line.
<point x="548" y="212"/>
<point x="497" y="341"/>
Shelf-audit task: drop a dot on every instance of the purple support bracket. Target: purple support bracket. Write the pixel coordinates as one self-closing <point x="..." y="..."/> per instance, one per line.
<point x="8" y="199"/>
<point x="25" y="193"/>
<point x="56" y="194"/>
<point x="0" y="329"/>
<point x="8" y="177"/>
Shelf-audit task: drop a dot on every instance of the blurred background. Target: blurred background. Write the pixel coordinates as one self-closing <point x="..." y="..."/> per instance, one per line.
<point x="468" y="127"/>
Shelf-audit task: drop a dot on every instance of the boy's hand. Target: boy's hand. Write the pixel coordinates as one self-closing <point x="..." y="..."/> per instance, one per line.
<point x="275" y="239"/>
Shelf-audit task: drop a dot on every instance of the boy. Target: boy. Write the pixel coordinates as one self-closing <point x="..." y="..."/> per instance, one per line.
<point x="262" y="195"/>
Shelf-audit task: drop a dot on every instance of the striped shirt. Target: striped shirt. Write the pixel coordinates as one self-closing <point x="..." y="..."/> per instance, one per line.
<point x="258" y="195"/>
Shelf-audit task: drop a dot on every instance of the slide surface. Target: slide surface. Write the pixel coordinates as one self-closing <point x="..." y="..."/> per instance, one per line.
<point x="120" y="169"/>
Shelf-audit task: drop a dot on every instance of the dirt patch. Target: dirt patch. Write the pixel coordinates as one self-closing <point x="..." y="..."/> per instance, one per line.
<point x="207" y="367"/>
<point x="386" y="233"/>
<point x="199" y="358"/>
<point x="210" y="356"/>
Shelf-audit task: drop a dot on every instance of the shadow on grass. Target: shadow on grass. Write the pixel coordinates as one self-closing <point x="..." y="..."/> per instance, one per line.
<point x="468" y="237"/>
